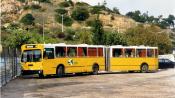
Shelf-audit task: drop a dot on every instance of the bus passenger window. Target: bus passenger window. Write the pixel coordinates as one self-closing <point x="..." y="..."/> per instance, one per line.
<point x="141" y="52"/>
<point x="49" y="53"/>
<point x="92" y="52"/>
<point x="117" y="53"/>
<point x="150" y="52"/>
<point x="100" y="52"/>
<point x="72" y="51"/>
<point x="60" y="51"/>
<point x="129" y="52"/>
<point x="82" y="51"/>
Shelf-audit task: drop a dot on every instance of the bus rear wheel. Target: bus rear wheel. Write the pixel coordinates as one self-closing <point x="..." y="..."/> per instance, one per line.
<point x="60" y="71"/>
<point x="95" y="69"/>
<point x="144" y="68"/>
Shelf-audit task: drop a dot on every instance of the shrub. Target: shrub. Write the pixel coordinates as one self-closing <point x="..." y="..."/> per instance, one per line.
<point x="64" y="4"/>
<point x="28" y="19"/>
<point x="22" y="1"/>
<point x="80" y="14"/>
<point x="61" y="11"/>
<point x="90" y="22"/>
<point x="81" y="4"/>
<point x="26" y="7"/>
<point x="97" y="9"/>
<point x="61" y="35"/>
<point x="67" y="21"/>
<point x="35" y="6"/>
<point x="70" y="33"/>
<point x="112" y="17"/>
<point x="46" y="1"/>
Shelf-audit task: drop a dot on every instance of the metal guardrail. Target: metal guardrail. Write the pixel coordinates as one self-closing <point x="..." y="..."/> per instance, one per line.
<point x="9" y="65"/>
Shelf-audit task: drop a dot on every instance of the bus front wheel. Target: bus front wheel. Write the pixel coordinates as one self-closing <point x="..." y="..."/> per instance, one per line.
<point x="144" y="68"/>
<point x="60" y="71"/>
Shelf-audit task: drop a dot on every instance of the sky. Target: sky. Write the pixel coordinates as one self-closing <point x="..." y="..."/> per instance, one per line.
<point x="154" y="7"/>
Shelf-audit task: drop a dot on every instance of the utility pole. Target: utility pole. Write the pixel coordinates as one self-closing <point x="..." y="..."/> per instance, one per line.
<point x="62" y="23"/>
<point x="43" y="28"/>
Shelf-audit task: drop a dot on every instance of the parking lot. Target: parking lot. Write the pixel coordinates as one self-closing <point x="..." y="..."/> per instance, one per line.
<point x="160" y="84"/>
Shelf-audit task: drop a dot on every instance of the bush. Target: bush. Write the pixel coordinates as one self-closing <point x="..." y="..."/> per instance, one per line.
<point x="35" y="6"/>
<point x="28" y="19"/>
<point x="70" y="34"/>
<point x="97" y="9"/>
<point x="90" y="22"/>
<point x="22" y="1"/>
<point x="61" y="35"/>
<point x="84" y="36"/>
<point x="64" y="4"/>
<point x="26" y="7"/>
<point x="46" y="1"/>
<point x="61" y="11"/>
<point x="67" y="21"/>
<point x="81" y="4"/>
<point x="112" y="17"/>
<point x="80" y="14"/>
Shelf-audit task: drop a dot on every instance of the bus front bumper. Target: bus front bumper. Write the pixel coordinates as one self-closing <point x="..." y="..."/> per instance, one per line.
<point x="30" y="72"/>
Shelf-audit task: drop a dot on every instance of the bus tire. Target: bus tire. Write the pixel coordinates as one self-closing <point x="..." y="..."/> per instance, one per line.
<point x="144" y="68"/>
<point x="95" y="69"/>
<point x="60" y="71"/>
<point x="41" y="75"/>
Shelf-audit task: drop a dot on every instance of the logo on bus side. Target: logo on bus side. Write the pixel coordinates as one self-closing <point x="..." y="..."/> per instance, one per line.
<point x="70" y="62"/>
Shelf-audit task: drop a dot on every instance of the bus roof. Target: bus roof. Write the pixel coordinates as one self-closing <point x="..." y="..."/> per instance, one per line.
<point x="139" y="47"/>
<point x="68" y="45"/>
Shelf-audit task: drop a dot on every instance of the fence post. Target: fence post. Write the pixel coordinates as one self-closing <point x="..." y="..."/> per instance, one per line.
<point x="5" y="63"/>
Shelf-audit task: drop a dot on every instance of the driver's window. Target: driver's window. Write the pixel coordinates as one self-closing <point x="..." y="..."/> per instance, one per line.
<point x="49" y="53"/>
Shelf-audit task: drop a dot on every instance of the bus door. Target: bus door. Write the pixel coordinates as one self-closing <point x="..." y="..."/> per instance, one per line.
<point x="48" y="61"/>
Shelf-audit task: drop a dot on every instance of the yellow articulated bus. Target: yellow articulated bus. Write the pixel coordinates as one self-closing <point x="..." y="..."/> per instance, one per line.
<point x="60" y="59"/>
<point x="48" y="59"/>
<point x="132" y="58"/>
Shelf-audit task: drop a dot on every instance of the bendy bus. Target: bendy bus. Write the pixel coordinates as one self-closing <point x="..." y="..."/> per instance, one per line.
<point x="60" y="59"/>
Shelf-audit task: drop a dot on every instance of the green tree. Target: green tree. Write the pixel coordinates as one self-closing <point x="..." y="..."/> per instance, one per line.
<point x="80" y="14"/>
<point x="170" y="20"/>
<point x="64" y="4"/>
<point x="116" y="10"/>
<point x="28" y="19"/>
<point x="61" y="11"/>
<point x="17" y="38"/>
<point x="84" y="36"/>
<point x="115" y="38"/>
<point x="137" y="16"/>
<point x="98" y="32"/>
<point x="149" y="36"/>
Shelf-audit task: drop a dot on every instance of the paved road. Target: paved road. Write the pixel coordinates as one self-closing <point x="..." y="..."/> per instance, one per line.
<point x="117" y="85"/>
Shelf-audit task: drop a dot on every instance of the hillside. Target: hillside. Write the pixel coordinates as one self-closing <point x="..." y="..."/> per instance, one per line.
<point x="47" y="14"/>
<point x="13" y="10"/>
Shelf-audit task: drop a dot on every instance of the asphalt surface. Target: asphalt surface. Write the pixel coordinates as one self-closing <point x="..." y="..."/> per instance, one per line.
<point x="160" y="84"/>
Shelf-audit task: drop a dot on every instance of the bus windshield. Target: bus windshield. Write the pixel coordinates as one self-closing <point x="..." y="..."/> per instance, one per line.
<point x="31" y="56"/>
